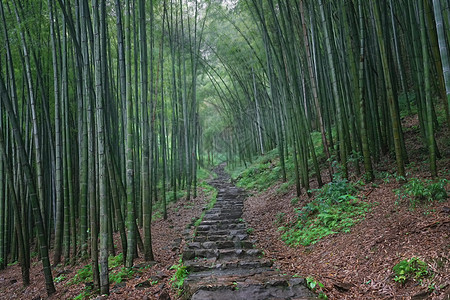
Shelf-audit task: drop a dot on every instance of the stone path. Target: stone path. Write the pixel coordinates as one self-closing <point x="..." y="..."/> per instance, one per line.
<point x="222" y="260"/>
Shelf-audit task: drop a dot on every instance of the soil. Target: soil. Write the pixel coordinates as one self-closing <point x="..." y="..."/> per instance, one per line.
<point x="355" y="265"/>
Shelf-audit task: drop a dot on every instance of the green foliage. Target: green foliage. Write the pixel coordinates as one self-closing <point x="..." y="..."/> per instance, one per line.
<point x="314" y="286"/>
<point x="419" y="191"/>
<point x="181" y="272"/>
<point x="13" y="263"/>
<point x="59" y="278"/>
<point x="83" y="275"/>
<point x="85" y="294"/>
<point x="388" y="177"/>
<point x="115" y="261"/>
<point x="263" y="173"/>
<point x="121" y="274"/>
<point x="333" y="210"/>
<point x="250" y="230"/>
<point x="413" y="268"/>
<point x="203" y="174"/>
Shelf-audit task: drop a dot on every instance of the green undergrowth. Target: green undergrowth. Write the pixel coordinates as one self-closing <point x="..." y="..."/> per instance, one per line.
<point x="335" y="208"/>
<point x="418" y="191"/>
<point x="414" y="268"/>
<point x="117" y="274"/>
<point x="177" y="280"/>
<point x="264" y="172"/>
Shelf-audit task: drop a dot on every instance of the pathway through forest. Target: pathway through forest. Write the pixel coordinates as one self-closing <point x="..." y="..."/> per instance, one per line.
<point x="222" y="260"/>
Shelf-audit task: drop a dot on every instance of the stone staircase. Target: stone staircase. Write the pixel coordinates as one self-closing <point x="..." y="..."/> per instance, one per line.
<point x="222" y="260"/>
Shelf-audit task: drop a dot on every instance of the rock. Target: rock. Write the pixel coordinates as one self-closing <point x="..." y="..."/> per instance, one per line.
<point x="277" y="282"/>
<point x="143" y="285"/>
<point x="159" y="276"/>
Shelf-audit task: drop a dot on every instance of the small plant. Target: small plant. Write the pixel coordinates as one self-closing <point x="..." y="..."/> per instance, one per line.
<point x="316" y="286"/>
<point x="250" y="230"/>
<point x="294" y="201"/>
<point x="180" y="275"/>
<point x="413" y="268"/>
<point x="418" y="191"/>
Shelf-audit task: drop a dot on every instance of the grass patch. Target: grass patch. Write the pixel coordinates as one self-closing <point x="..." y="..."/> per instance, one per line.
<point x="334" y="209"/>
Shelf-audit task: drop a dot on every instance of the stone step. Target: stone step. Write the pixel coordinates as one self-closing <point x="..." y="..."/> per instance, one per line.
<point x="213" y="274"/>
<point x="237" y="291"/>
<point x="214" y="237"/>
<point x="227" y="232"/>
<point x="203" y="227"/>
<point x="233" y="218"/>
<point x="222" y="261"/>
<point x="205" y="265"/>
<point x="228" y="244"/>
<point x="218" y="222"/>
<point x="220" y="254"/>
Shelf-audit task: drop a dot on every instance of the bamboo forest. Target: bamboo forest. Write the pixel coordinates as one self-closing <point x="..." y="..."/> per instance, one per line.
<point x="224" y="149"/>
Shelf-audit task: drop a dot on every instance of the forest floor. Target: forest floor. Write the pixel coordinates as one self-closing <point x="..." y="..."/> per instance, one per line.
<point x="148" y="281"/>
<point x="355" y="265"/>
<point x="358" y="265"/>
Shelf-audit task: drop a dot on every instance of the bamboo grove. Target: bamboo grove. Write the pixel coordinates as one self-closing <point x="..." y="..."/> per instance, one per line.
<point x="109" y="107"/>
<point x="99" y="123"/>
<point x="347" y="70"/>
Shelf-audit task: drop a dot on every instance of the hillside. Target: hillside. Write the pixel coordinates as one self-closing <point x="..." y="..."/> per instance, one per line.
<point x="359" y="264"/>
